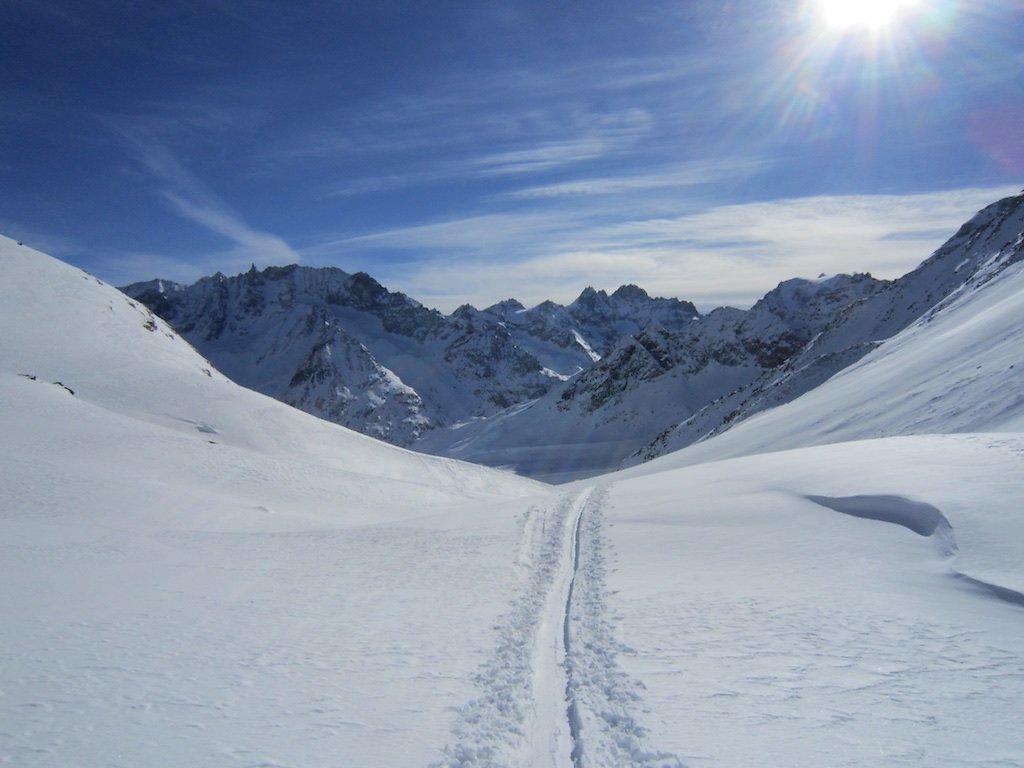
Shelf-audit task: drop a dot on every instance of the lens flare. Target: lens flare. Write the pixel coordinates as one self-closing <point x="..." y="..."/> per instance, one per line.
<point x="870" y="14"/>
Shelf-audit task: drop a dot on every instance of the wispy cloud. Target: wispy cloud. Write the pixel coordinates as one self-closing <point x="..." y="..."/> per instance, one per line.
<point x="498" y="125"/>
<point x="681" y="176"/>
<point x="192" y="200"/>
<point x="471" y="151"/>
<point x="730" y="254"/>
<point x="475" y="234"/>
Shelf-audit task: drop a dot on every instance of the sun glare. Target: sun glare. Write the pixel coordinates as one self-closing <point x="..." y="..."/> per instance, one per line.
<point x="870" y="14"/>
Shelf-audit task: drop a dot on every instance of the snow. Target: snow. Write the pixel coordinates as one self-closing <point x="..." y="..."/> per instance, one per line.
<point x="771" y="630"/>
<point x="555" y="374"/>
<point x="195" y="574"/>
<point x="959" y="368"/>
<point x="266" y="592"/>
<point x="594" y="356"/>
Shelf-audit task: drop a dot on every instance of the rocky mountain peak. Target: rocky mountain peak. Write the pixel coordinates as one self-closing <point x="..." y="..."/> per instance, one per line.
<point x="590" y="297"/>
<point x="506" y="307"/>
<point x="631" y="294"/>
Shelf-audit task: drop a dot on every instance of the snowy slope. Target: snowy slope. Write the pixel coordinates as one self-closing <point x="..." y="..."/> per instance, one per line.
<point x="195" y="574"/>
<point x="770" y="629"/>
<point x="990" y="242"/>
<point x="960" y="368"/>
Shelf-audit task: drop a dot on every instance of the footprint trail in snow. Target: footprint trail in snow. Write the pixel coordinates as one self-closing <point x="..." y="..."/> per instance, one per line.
<point x="552" y="693"/>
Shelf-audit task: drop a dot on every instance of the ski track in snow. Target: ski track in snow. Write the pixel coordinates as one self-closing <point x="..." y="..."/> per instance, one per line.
<point x="552" y="692"/>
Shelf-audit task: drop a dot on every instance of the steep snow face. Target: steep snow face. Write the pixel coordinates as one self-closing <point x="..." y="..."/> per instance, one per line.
<point x="115" y="355"/>
<point x="957" y="289"/>
<point x="960" y="368"/>
<point x="651" y="378"/>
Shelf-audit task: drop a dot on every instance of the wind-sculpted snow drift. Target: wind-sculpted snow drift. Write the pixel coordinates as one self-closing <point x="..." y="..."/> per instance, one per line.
<point x="921" y="518"/>
<point x="917" y="516"/>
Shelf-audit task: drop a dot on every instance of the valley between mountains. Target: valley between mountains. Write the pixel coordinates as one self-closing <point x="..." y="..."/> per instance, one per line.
<point x="810" y="553"/>
<point x="556" y="392"/>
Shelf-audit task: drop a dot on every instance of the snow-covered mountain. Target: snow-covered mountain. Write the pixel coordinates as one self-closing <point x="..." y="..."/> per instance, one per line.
<point x="659" y="391"/>
<point x="959" y="367"/>
<point x="992" y="241"/>
<point x="571" y="338"/>
<point x="557" y="392"/>
<point x="195" y="574"/>
<point x="343" y="347"/>
<point x="586" y="384"/>
<point x="651" y="379"/>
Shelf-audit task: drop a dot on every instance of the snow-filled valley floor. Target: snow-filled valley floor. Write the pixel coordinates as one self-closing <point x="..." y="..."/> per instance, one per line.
<point x="196" y="575"/>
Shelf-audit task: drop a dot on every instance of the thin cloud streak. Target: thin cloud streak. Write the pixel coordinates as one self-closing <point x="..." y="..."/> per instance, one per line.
<point x="580" y="140"/>
<point x="474" y="234"/>
<point x="729" y="254"/>
<point x="490" y="125"/>
<point x="687" y="175"/>
<point x="192" y="200"/>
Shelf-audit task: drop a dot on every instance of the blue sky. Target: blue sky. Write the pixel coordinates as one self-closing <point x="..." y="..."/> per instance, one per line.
<point x="474" y="151"/>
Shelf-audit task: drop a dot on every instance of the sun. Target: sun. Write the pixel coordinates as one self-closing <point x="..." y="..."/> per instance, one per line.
<point x="865" y="14"/>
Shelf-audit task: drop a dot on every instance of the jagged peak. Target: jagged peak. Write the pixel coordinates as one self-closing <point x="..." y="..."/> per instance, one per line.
<point x="589" y="295"/>
<point x="465" y="310"/>
<point x="547" y="307"/>
<point x="278" y="273"/>
<point x="506" y="306"/>
<point x="364" y="279"/>
<point x="631" y="292"/>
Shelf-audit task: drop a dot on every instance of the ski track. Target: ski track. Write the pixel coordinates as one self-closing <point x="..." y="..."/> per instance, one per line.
<point x="552" y="693"/>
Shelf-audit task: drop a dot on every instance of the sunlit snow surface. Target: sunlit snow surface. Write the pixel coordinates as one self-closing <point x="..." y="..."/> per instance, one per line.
<point x="772" y="630"/>
<point x="194" y="574"/>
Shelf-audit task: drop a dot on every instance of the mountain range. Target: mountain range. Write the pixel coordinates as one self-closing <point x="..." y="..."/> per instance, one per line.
<point x="556" y="392"/>
<point x="343" y="347"/>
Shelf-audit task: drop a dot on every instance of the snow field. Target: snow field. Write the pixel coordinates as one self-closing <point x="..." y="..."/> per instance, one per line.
<point x="196" y="575"/>
<point x="552" y="692"/>
<point x="520" y="717"/>
<point x="770" y="630"/>
<point x="605" y="701"/>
